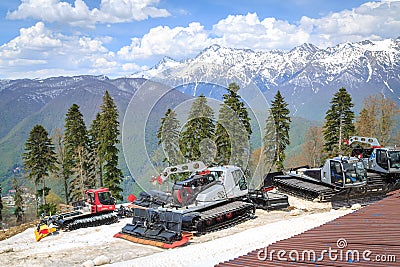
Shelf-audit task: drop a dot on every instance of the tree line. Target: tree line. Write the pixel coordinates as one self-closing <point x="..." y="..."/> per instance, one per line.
<point x="202" y="137"/>
<point x="79" y="157"/>
<point x="226" y="140"/>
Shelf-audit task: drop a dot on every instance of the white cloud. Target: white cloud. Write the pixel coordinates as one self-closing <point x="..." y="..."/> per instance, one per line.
<point x="79" y="14"/>
<point x="31" y="41"/>
<point x="249" y="32"/>
<point x="38" y="52"/>
<point x="131" y="67"/>
<point x="162" y="40"/>
<point x="372" y="20"/>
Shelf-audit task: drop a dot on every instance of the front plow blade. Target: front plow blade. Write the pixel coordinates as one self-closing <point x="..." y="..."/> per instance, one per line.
<point x="362" y="196"/>
<point x="42" y="231"/>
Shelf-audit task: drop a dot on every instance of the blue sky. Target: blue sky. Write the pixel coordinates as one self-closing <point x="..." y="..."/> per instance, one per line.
<point x="44" y="38"/>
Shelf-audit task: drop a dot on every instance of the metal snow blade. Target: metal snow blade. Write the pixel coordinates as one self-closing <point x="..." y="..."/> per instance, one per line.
<point x="351" y="196"/>
<point x="157" y="228"/>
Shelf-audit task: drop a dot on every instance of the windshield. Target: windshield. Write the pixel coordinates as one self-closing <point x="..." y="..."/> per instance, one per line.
<point x="354" y="172"/>
<point x="394" y="158"/>
<point x="105" y="198"/>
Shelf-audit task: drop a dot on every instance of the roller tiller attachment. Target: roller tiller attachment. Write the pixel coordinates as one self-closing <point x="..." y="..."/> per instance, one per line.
<point x="161" y="229"/>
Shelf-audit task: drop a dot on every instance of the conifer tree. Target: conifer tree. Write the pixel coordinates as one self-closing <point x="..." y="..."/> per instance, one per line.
<point x="96" y="156"/>
<point x="198" y="132"/>
<point x="168" y="136"/>
<point x="76" y="150"/>
<point x="279" y="114"/>
<point x="269" y="144"/>
<point x="39" y="157"/>
<point x="92" y="180"/>
<point x="18" y="201"/>
<point x="58" y="140"/>
<point x="108" y="135"/>
<point x="232" y="130"/>
<point x="338" y="122"/>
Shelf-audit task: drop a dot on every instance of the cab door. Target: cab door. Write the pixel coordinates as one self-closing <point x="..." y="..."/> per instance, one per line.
<point x="382" y="159"/>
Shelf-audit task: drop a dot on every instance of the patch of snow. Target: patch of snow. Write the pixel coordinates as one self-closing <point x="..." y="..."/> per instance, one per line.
<point x="369" y="70"/>
<point x="226" y="248"/>
<point x="356" y="207"/>
<point x="101" y="260"/>
<point x="88" y="263"/>
<point x="96" y="245"/>
<point x="383" y="45"/>
<point x="387" y="85"/>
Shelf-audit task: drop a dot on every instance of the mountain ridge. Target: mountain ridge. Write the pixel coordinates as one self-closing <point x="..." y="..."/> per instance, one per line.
<point x="305" y="75"/>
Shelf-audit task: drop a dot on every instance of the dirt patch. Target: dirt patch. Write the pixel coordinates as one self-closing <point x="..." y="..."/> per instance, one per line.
<point x="4" y="234"/>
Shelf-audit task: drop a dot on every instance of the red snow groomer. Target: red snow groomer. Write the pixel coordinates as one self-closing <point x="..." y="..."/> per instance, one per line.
<point x="97" y="209"/>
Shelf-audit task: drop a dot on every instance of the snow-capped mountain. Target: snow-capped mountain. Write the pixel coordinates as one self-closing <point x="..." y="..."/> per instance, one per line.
<point x="305" y="75"/>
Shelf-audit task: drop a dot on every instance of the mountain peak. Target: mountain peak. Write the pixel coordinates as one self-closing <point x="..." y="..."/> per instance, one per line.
<point x="213" y="47"/>
<point x="167" y="59"/>
<point x="307" y="47"/>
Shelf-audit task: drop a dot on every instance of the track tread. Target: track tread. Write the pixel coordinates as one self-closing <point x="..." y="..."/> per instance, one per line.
<point x="305" y="189"/>
<point x="241" y="211"/>
<point x="102" y="219"/>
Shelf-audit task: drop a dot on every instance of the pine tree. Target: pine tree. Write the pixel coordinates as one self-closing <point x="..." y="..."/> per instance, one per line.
<point x="269" y="144"/>
<point x="168" y="136"/>
<point x="222" y="139"/>
<point x="96" y="157"/>
<point x="92" y="163"/>
<point x="58" y="140"/>
<point x="18" y="201"/>
<point x="108" y="139"/>
<point x="198" y="134"/>
<point x="338" y="122"/>
<point x="232" y="130"/>
<point x="39" y="157"/>
<point x="76" y="146"/>
<point x="281" y="126"/>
